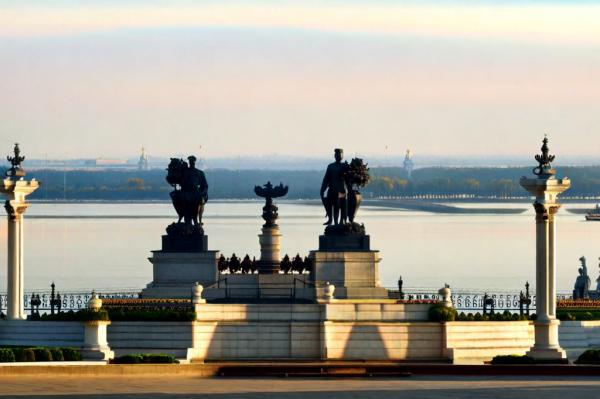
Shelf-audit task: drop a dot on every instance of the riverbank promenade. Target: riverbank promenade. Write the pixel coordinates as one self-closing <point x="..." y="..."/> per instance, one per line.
<point x="176" y="387"/>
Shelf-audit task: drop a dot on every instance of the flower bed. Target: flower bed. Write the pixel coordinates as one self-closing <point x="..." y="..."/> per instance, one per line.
<point x="577" y="303"/>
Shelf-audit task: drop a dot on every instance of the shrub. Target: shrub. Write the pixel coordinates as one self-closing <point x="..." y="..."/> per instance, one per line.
<point x="24" y="354"/>
<point x="127" y="359"/>
<point x="57" y="355"/>
<point x="504" y="316"/>
<point x="513" y="359"/>
<point x="80" y="315"/>
<point x="145" y="358"/>
<point x="7" y="355"/>
<point x="42" y="354"/>
<point x="442" y="313"/>
<point x="159" y="358"/>
<point x="590" y="356"/>
<point x="151" y="315"/>
<point x="71" y="354"/>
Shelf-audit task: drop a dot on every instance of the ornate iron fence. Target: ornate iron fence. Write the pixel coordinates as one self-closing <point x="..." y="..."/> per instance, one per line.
<point x="473" y="301"/>
<point x="68" y="300"/>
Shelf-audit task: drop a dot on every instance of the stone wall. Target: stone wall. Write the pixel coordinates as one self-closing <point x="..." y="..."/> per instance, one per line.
<point x="475" y="342"/>
<point x="336" y="331"/>
<point x="41" y="333"/>
<point x="577" y="336"/>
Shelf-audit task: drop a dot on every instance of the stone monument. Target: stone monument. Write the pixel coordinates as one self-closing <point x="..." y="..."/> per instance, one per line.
<point x="184" y="259"/>
<point x="344" y="258"/>
<point x="545" y="187"/>
<point x="582" y="283"/>
<point x="15" y="188"/>
<point x="269" y="238"/>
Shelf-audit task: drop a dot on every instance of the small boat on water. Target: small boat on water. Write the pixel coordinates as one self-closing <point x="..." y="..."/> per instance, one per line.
<point x="595" y="215"/>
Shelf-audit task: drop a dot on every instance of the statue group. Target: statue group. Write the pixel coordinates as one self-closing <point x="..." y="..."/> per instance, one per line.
<point x="189" y="196"/>
<point x="340" y="194"/>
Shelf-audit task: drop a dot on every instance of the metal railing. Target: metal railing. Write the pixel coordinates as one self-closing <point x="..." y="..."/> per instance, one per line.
<point x="68" y="300"/>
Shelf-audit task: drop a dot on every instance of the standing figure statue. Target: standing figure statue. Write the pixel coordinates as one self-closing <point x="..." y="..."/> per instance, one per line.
<point x="189" y="195"/>
<point x="582" y="283"/>
<point x="334" y="181"/>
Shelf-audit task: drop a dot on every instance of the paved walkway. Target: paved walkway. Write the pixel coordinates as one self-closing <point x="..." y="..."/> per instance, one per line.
<point x="179" y="387"/>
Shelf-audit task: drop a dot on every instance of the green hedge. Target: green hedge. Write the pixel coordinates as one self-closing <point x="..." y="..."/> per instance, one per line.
<point x="7" y="355"/>
<point x="505" y="316"/>
<point x="145" y="358"/>
<point x="577" y="314"/>
<point x="80" y="315"/>
<point x="39" y="354"/>
<point x="442" y="313"/>
<point x="151" y="315"/>
<point x="42" y="354"/>
<point x="513" y="359"/>
<point x="122" y="315"/>
<point x="590" y="356"/>
<point x="24" y="354"/>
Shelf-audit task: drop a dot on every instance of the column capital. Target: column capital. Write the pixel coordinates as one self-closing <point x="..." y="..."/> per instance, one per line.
<point x="15" y="209"/>
<point x="545" y="212"/>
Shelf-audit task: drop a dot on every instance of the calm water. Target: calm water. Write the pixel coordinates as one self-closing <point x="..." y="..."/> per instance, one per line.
<point x="428" y="250"/>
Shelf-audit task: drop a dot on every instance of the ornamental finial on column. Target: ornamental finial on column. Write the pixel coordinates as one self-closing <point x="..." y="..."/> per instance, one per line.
<point x="15" y="161"/>
<point x="544" y="160"/>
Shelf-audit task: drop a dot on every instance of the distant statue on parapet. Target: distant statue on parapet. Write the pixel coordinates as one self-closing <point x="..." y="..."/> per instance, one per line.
<point x="190" y="193"/>
<point x="582" y="283"/>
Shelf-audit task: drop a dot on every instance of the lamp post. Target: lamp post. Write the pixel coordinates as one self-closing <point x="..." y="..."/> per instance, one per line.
<point x="15" y="188"/>
<point x="545" y="187"/>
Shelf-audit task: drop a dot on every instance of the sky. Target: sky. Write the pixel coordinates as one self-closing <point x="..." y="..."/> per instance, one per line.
<point x="299" y="78"/>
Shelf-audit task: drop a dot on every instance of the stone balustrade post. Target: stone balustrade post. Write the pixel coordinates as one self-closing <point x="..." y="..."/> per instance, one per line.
<point x="95" y="345"/>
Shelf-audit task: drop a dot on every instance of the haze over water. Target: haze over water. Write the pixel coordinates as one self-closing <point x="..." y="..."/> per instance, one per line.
<point x="494" y="252"/>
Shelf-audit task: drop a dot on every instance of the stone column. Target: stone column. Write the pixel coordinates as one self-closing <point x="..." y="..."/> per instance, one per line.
<point x="15" y="284"/>
<point x="15" y="188"/>
<point x="269" y="250"/>
<point x="546" y="187"/>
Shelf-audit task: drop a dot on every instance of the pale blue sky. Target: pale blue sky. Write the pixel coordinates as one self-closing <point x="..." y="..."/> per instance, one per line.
<point x="441" y="77"/>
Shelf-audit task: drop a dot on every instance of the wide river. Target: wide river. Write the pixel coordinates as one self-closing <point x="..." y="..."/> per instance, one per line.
<point x="467" y="251"/>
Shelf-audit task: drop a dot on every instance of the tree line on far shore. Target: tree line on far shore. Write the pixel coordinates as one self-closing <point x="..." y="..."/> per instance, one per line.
<point x="239" y="184"/>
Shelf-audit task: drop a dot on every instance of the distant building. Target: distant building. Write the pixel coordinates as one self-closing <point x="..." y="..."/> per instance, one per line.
<point x="143" y="162"/>
<point x="408" y="164"/>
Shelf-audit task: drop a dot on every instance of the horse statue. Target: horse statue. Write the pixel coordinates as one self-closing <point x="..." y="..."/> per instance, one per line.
<point x="189" y="194"/>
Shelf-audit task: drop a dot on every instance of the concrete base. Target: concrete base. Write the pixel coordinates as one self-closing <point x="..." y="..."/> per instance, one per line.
<point x="175" y="273"/>
<point x="546" y="347"/>
<point x="355" y="274"/>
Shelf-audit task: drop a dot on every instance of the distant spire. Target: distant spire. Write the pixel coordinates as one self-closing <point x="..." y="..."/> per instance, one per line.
<point x="143" y="162"/>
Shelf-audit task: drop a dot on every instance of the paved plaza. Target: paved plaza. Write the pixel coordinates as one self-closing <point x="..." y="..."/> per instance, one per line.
<point x="148" y="387"/>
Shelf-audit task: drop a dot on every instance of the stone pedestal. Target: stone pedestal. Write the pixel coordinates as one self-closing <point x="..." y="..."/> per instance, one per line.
<point x="270" y="258"/>
<point x="16" y="189"/>
<point x="176" y="273"/>
<point x="546" y="187"/>
<point x="348" y="263"/>
<point x="95" y="344"/>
